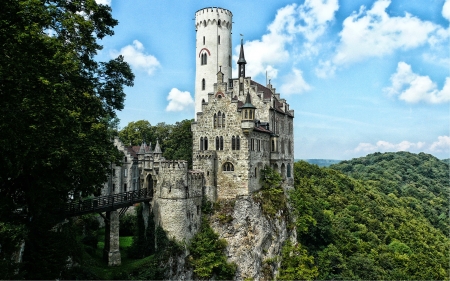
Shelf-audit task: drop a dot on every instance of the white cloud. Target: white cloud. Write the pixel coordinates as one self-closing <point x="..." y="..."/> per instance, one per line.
<point x="373" y="33"/>
<point x="137" y="58"/>
<point x="413" y="88"/>
<point x="294" y="83"/>
<point x="441" y="145"/>
<point x="179" y="100"/>
<point x="384" y="146"/>
<point x="103" y="2"/>
<point x="325" y="69"/>
<point x="309" y="19"/>
<point x="446" y="10"/>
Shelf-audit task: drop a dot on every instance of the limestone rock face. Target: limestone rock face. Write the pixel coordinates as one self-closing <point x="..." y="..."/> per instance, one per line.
<point x="252" y="239"/>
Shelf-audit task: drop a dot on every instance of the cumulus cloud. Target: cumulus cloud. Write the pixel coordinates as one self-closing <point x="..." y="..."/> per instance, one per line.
<point x="103" y="2"/>
<point x="374" y="33"/>
<point x="413" y="88"/>
<point x="135" y="55"/>
<point x="446" y="10"/>
<point x="441" y="145"/>
<point x="294" y="83"/>
<point x="384" y="146"/>
<point x="179" y="100"/>
<point x="309" y="19"/>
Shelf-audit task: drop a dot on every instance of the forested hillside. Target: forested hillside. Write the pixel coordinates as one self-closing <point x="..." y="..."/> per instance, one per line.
<point x="387" y="222"/>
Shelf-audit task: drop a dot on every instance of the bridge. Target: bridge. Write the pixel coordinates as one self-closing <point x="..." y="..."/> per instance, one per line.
<point x="107" y="203"/>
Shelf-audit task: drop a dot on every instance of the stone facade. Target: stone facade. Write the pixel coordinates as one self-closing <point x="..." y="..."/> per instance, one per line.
<point x="241" y="127"/>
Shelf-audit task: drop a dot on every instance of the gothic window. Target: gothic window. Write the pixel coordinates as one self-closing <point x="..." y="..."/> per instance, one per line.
<point x="215" y="120"/>
<point x="217" y="143"/>
<point x="218" y="23"/>
<point x="201" y="143"/>
<point x="219" y="117"/>
<point x="204" y="58"/>
<point x="205" y="140"/>
<point x="238" y="143"/>
<point x="218" y="40"/>
<point x="223" y="120"/>
<point x="255" y="173"/>
<point x="288" y="170"/>
<point x="233" y="143"/>
<point x="228" y="167"/>
<point x="203" y="84"/>
<point x="221" y="143"/>
<point x="273" y="145"/>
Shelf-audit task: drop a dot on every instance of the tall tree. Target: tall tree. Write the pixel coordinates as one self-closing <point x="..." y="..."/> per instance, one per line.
<point x="56" y="101"/>
<point x="136" y="132"/>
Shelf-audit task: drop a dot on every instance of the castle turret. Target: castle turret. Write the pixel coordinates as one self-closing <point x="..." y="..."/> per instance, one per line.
<point x="248" y="115"/>
<point x="241" y="62"/>
<point x="213" y="50"/>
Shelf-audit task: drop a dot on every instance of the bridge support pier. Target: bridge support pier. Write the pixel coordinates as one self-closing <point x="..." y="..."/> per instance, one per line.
<point x="111" y="251"/>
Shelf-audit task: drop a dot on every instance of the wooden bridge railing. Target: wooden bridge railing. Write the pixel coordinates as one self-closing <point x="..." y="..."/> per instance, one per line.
<point x="107" y="203"/>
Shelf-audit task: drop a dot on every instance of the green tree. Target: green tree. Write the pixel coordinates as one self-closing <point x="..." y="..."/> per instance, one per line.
<point x="178" y="144"/>
<point x="136" y="132"/>
<point x="56" y="100"/>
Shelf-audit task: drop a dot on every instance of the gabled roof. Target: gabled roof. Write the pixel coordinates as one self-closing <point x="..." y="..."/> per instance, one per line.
<point x="267" y="93"/>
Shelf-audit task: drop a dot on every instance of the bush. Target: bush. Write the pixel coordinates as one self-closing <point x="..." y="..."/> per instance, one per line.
<point x="127" y="225"/>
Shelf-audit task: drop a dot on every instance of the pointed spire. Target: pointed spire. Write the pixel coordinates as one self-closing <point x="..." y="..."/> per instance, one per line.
<point x="241" y="54"/>
<point x="241" y="62"/>
<point x="142" y="148"/>
<point x="157" y="148"/>
<point x="248" y="102"/>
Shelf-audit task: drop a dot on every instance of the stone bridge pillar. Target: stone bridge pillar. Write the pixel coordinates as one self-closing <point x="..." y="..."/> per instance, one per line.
<point x="111" y="251"/>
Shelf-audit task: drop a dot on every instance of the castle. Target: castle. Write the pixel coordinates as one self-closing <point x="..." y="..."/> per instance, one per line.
<point x="240" y="127"/>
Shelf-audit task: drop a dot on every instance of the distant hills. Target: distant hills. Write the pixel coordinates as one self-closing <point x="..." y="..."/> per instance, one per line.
<point x="320" y="162"/>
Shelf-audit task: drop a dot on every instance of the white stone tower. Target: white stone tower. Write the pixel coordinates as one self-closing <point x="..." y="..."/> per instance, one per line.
<point x="212" y="52"/>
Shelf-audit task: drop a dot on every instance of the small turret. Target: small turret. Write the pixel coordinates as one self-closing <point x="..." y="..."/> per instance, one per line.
<point x="248" y="115"/>
<point x="241" y="62"/>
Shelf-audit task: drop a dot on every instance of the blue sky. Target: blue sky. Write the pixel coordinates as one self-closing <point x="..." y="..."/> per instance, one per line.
<point x="362" y="76"/>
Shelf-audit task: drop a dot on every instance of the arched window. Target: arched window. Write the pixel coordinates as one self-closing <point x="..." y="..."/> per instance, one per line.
<point x="203" y="84"/>
<point x="223" y="120"/>
<point x="201" y="143"/>
<point x="205" y="143"/>
<point x="221" y="143"/>
<point x="203" y="40"/>
<point x="228" y="167"/>
<point x="219" y="116"/>
<point x="288" y="170"/>
<point x="233" y="143"/>
<point x="215" y="120"/>
<point x="218" y="23"/>
<point x="255" y="173"/>
<point x="205" y="58"/>
<point x="217" y="143"/>
<point x="218" y="40"/>
<point x="238" y="143"/>
<point x="273" y="145"/>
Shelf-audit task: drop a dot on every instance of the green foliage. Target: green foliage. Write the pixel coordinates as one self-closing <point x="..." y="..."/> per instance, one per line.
<point x="56" y="103"/>
<point x="421" y="180"/>
<point x="355" y="230"/>
<point x="271" y="196"/>
<point x="207" y="257"/>
<point x="127" y="225"/>
<point x="175" y="140"/>
<point x="223" y="210"/>
<point x="296" y="264"/>
<point x="144" y="238"/>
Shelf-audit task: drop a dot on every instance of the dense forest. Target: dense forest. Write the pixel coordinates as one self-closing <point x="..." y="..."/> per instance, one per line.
<point x="379" y="217"/>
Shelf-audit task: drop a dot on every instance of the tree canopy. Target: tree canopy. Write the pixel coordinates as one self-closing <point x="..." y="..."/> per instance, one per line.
<point x="378" y="225"/>
<point x="57" y="102"/>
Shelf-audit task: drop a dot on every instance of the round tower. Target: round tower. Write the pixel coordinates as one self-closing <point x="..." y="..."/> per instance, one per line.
<point x="212" y="52"/>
